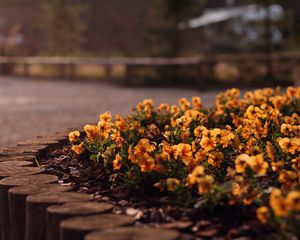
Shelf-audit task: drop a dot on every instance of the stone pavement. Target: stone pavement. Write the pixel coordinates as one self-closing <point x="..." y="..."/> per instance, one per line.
<point x="32" y="107"/>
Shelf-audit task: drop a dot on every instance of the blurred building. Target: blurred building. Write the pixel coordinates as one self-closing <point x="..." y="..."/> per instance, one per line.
<point x="237" y="28"/>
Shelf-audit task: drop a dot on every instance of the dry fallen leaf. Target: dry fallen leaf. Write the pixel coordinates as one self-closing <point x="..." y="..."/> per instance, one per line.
<point x="177" y="225"/>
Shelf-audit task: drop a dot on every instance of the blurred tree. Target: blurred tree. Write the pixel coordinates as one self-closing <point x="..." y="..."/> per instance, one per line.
<point x="165" y="37"/>
<point x="62" y="26"/>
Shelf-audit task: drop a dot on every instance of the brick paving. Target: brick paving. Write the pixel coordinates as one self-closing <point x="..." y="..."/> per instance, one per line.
<point x="32" y="107"/>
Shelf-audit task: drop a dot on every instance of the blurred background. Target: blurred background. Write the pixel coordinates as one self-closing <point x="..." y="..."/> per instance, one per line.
<point x="62" y="62"/>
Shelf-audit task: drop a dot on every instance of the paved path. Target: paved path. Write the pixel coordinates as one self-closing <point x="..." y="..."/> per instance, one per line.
<point x="31" y="107"/>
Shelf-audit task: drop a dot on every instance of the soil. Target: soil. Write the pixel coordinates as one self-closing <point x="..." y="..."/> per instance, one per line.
<point x="150" y="208"/>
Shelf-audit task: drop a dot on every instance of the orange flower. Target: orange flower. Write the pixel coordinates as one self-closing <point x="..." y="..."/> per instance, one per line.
<point x="183" y="104"/>
<point x="147" y="164"/>
<point x="104" y="128"/>
<point x="92" y="132"/>
<point x="78" y="148"/>
<point x="226" y="138"/>
<point x="277" y="166"/>
<point x="196" y="102"/>
<point x="198" y="131"/>
<point x="106" y="117"/>
<point x="163" y="108"/>
<point x="286" y="129"/>
<point x="258" y="164"/>
<point x="215" y="159"/>
<point x="293" y="200"/>
<point x="205" y="183"/>
<point x="73" y="136"/>
<point x="241" y="163"/>
<point x="200" y="155"/>
<point x="262" y="214"/>
<point x="175" y="110"/>
<point x="290" y="145"/>
<point x="239" y="186"/>
<point x="184" y="152"/>
<point x="287" y="178"/>
<point x="195" y="175"/>
<point x="172" y="184"/>
<point x="117" y="162"/>
<point x="184" y="121"/>
<point x="207" y="144"/>
<point x="270" y="151"/>
<point x="144" y="145"/>
<point x="278" y="203"/>
<point x="296" y="130"/>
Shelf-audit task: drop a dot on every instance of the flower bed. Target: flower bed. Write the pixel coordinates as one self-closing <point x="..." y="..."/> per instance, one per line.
<point x="227" y="171"/>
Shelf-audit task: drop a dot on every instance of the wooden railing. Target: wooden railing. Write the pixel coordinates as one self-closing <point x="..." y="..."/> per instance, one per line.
<point x="205" y="64"/>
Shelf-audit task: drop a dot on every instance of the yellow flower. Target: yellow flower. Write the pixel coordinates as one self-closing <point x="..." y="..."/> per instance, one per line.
<point x="200" y="155"/>
<point x="163" y="108"/>
<point x="258" y="164"/>
<point x="184" y="121"/>
<point x="290" y="145"/>
<point x="296" y="130"/>
<point x="296" y="163"/>
<point x="287" y="178"/>
<point x="92" y="132"/>
<point x="262" y="214"/>
<point x="226" y="138"/>
<point x="117" y="162"/>
<point x="215" y="133"/>
<point x="196" y="102"/>
<point x="293" y="200"/>
<point x="195" y="175"/>
<point x="286" y="129"/>
<point x="292" y="92"/>
<point x="198" y="131"/>
<point x="239" y="186"/>
<point x="183" y="104"/>
<point x="278" y="203"/>
<point x="104" y="128"/>
<point x="172" y="184"/>
<point x="241" y="163"/>
<point x="147" y="164"/>
<point x="277" y="166"/>
<point x="184" y="152"/>
<point x="270" y="151"/>
<point x="205" y="183"/>
<point x="207" y="144"/>
<point x="144" y="145"/>
<point x="78" y="148"/>
<point x="106" y="117"/>
<point x="148" y="102"/>
<point x="249" y="198"/>
<point x="215" y="159"/>
<point x="175" y="110"/>
<point x="73" y="136"/>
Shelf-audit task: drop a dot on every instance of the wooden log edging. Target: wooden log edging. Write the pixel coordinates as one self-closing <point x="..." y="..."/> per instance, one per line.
<point x="76" y="228"/>
<point x="58" y="213"/>
<point x="133" y="233"/>
<point x="17" y="205"/>
<point x="33" y="206"/>
<point x="36" y="206"/>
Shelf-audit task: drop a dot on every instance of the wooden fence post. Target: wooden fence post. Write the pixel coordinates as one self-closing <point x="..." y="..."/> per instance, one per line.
<point x="26" y="70"/>
<point x="108" y="72"/>
<point x="296" y="75"/>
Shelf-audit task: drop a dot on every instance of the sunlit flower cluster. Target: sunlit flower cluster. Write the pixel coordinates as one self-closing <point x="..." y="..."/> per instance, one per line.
<point x="243" y="151"/>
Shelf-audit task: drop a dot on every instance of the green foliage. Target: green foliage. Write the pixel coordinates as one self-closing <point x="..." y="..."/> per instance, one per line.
<point x="62" y="26"/>
<point x="165" y="37"/>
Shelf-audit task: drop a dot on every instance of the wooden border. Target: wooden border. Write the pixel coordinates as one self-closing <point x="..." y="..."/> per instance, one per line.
<point x="21" y="183"/>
